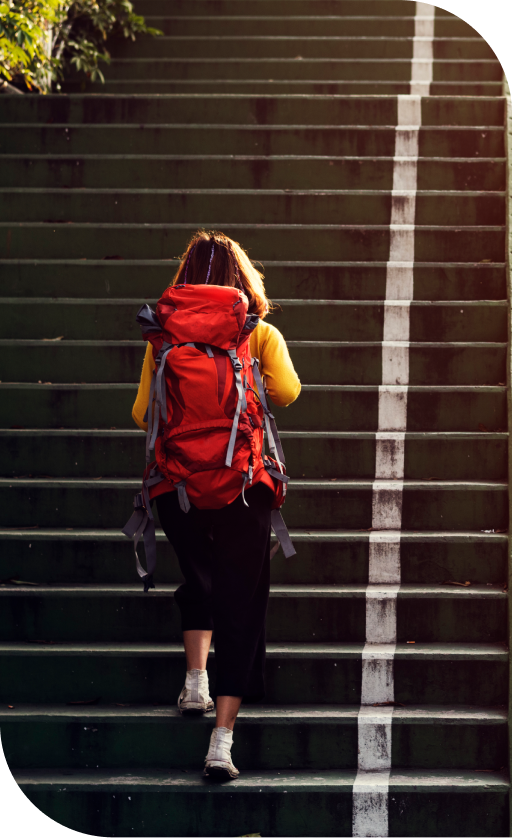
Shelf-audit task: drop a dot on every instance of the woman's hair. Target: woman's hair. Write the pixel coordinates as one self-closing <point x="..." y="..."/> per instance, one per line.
<point x="216" y="259"/>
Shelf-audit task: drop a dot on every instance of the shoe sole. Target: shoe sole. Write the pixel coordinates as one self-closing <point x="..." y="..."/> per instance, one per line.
<point x="219" y="775"/>
<point x="195" y="711"/>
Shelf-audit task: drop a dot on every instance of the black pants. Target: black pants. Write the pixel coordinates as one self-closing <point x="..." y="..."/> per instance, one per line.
<point x="224" y="555"/>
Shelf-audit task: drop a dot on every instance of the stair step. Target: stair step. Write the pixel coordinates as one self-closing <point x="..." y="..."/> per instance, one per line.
<point x="40" y="240"/>
<point x="294" y="71"/>
<point x="97" y="319"/>
<point x="303" y="25"/>
<point x="322" y="88"/>
<point x="256" y="206"/>
<point x="106" y="502"/>
<point x="120" y="278"/>
<point x="292" y="46"/>
<point x="327" y="407"/>
<point x="317" y="454"/>
<point x="137" y="672"/>
<point x="251" y="110"/>
<point x="445" y="140"/>
<point x="227" y="172"/>
<point x="476" y="802"/>
<point x="316" y="614"/>
<point x="200" y="8"/>
<point x="323" y="557"/>
<point x="319" y="362"/>
<point x="299" y="737"/>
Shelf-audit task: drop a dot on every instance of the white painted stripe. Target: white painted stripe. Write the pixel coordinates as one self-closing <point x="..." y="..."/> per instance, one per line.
<point x="371" y="787"/>
<point x="377" y="684"/>
<point x="374" y="738"/>
<point x="423" y="50"/>
<point x="390" y="455"/>
<point x="387" y="504"/>
<point x="381" y="613"/>
<point x="384" y="558"/>
<point x="392" y="408"/>
<point x="370" y="804"/>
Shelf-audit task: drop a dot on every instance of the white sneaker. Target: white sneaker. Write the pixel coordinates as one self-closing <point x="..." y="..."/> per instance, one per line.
<point x="195" y="695"/>
<point x="219" y="765"/>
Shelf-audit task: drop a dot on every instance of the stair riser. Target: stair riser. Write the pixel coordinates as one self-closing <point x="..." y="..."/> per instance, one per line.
<point x="290" y="47"/>
<point x="331" y="563"/>
<point x="104" y="321"/>
<point x="178" y="743"/>
<point x="360" y="23"/>
<point x="304" y="814"/>
<point x="434" y="508"/>
<point x="290" y="619"/>
<point x="315" y="364"/>
<point x="368" y="88"/>
<point x="331" y="410"/>
<point x="63" y="241"/>
<point x="111" y="455"/>
<point x="199" y="140"/>
<point x="119" y="207"/>
<point x="200" y="8"/>
<point x="292" y="70"/>
<point x="355" y="281"/>
<point x="263" y="110"/>
<point x="342" y="26"/>
<point x="139" y="679"/>
<point x="255" y="173"/>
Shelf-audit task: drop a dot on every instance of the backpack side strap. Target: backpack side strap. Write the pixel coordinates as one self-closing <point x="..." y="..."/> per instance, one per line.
<point x="283" y="536"/>
<point x="142" y="523"/>
<point x="274" y="443"/>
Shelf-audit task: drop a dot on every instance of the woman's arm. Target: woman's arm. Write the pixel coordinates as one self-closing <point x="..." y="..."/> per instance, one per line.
<point x="142" y="400"/>
<point x="281" y="380"/>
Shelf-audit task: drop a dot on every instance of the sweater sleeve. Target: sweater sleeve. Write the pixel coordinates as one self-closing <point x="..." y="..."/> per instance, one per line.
<point x="267" y="344"/>
<point x="281" y="380"/>
<point x="142" y="400"/>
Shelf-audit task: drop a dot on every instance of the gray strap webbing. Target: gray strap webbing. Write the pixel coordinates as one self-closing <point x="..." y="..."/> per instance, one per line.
<point x="277" y="474"/>
<point x="149" y="413"/>
<point x="182" y="496"/>
<point x="274" y="443"/>
<point x="208" y="350"/>
<point x="237" y="368"/>
<point x="282" y="534"/>
<point x="160" y="385"/>
<point x="140" y="524"/>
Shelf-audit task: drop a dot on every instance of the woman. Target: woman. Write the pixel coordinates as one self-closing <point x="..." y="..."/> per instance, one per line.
<point x="224" y="554"/>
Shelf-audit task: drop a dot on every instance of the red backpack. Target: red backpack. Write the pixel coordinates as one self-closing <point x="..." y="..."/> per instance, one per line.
<point x="207" y="411"/>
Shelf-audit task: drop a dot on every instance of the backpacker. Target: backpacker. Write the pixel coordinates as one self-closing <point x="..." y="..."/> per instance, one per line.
<point x="207" y="411"/>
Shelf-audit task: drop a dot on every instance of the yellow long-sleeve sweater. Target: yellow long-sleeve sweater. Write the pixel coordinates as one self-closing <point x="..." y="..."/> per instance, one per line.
<point x="267" y="344"/>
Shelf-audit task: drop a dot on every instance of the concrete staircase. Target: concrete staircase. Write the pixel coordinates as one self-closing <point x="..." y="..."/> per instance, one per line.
<point x="312" y="131"/>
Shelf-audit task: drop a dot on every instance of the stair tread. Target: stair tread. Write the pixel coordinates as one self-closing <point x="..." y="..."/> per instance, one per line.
<point x="406" y="590"/>
<point x="298" y="483"/>
<point x="357" y="388"/>
<point x="78" y="534"/>
<point x="250" y="714"/>
<point x="41" y="342"/>
<point x="129" y="433"/>
<point x="334" y="651"/>
<point x="252" y="781"/>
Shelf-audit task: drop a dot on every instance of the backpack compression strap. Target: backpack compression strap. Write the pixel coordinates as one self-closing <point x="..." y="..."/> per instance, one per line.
<point x="141" y="523"/>
<point x="241" y="404"/>
<point x="274" y="443"/>
<point x="283" y="536"/>
<point x="276" y="450"/>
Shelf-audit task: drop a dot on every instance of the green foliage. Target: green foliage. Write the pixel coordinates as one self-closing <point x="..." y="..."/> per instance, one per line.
<point x="41" y="41"/>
